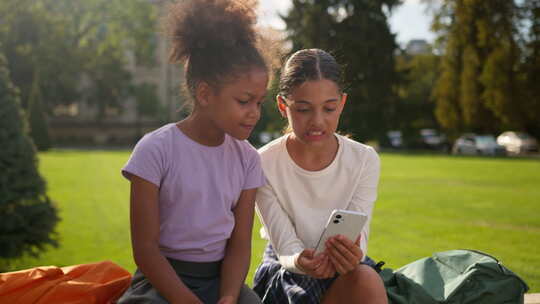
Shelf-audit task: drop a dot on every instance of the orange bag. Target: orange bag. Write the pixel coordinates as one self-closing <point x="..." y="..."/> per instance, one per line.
<point x="102" y="282"/>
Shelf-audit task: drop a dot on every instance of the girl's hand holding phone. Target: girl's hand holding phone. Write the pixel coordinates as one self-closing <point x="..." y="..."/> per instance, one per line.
<point x="317" y="266"/>
<point x="343" y="253"/>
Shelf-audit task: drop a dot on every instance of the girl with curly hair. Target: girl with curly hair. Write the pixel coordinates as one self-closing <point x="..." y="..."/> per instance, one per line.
<point x="193" y="182"/>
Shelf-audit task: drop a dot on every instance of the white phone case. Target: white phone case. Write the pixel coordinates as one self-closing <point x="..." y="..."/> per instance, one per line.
<point x="345" y="222"/>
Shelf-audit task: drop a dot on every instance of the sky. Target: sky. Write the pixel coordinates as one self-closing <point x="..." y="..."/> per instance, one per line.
<point x="408" y="21"/>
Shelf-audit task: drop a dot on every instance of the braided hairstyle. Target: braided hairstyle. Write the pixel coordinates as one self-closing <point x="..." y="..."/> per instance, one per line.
<point x="307" y="65"/>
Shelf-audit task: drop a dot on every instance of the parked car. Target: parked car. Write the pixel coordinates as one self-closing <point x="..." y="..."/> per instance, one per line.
<point x="474" y="144"/>
<point x="395" y="139"/>
<point x="432" y="139"/>
<point x="425" y="139"/>
<point x="517" y="142"/>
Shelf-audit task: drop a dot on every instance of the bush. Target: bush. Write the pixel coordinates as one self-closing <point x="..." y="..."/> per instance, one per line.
<point x="28" y="217"/>
<point x="39" y="130"/>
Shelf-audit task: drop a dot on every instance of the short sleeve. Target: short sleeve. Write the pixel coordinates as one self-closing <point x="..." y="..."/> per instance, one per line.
<point x="254" y="172"/>
<point x="146" y="161"/>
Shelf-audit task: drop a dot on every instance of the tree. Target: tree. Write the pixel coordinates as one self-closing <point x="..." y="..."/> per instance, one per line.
<point x="110" y="83"/>
<point x="80" y="48"/>
<point x="418" y="76"/>
<point x="478" y="87"/>
<point x="309" y="24"/>
<point x="274" y="49"/>
<point x="531" y="67"/>
<point x="33" y="40"/>
<point x="39" y="129"/>
<point x="28" y="215"/>
<point x="147" y="105"/>
<point x="271" y="120"/>
<point x="358" y="34"/>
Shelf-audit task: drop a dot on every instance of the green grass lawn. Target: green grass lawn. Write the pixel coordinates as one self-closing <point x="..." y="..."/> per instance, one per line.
<point x="426" y="204"/>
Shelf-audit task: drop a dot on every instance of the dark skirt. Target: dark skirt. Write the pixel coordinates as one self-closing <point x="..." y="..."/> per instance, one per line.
<point x="203" y="279"/>
<point x="275" y="284"/>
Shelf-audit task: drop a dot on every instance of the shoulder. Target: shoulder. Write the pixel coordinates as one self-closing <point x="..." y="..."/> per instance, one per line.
<point x="244" y="146"/>
<point x="272" y="149"/>
<point x="149" y="158"/>
<point x="157" y="140"/>
<point x="362" y="163"/>
<point x="356" y="152"/>
<point x="157" y="143"/>
<point x="244" y="149"/>
<point x="272" y="154"/>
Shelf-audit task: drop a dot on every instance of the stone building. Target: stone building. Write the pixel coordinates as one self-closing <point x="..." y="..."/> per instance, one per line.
<point x="76" y="124"/>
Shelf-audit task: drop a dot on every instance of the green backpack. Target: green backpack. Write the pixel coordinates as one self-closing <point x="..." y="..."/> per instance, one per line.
<point x="452" y="277"/>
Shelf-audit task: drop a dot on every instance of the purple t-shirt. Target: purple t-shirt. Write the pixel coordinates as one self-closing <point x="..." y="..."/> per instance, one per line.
<point x="198" y="189"/>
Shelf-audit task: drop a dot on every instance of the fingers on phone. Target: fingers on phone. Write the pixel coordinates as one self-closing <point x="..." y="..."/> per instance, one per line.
<point x="331" y="269"/>
<point x="310" y="265"/>
<point x="309" y="253"/>
<point x="348" y="245"/>
<point x="337" y="265"/>
<point x="325" y="269"/>
<point x="319" y="270"/>
<point x="343" y="257"/>
<point x="357" y="242"/>
<point x="310" y="262"/>
<point x="347" y="242"/>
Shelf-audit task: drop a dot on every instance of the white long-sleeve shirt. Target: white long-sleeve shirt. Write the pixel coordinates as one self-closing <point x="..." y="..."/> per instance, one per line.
<point x="296" y="203"/>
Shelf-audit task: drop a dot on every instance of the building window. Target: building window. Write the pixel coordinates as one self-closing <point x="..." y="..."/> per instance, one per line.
<point x="70" y="110"/>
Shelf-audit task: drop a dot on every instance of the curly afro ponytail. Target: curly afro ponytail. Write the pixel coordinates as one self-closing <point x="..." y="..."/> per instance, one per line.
<point x="214" y="39"/>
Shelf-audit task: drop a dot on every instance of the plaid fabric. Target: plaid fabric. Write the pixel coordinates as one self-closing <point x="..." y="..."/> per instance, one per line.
<point x="274" y="284"/>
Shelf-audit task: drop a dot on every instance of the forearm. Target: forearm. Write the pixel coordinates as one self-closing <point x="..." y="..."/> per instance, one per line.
<point x="235" y="268"/>
<point x="279" y="229"/>
<point x="290" y="262"/>
<point x="162" y="276"/>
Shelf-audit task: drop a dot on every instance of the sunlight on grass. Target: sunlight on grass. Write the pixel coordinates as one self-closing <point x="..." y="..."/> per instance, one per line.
<point x="426" y="204"/>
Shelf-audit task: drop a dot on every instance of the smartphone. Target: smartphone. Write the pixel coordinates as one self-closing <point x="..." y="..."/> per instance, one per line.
<point x="345" y="222"/>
